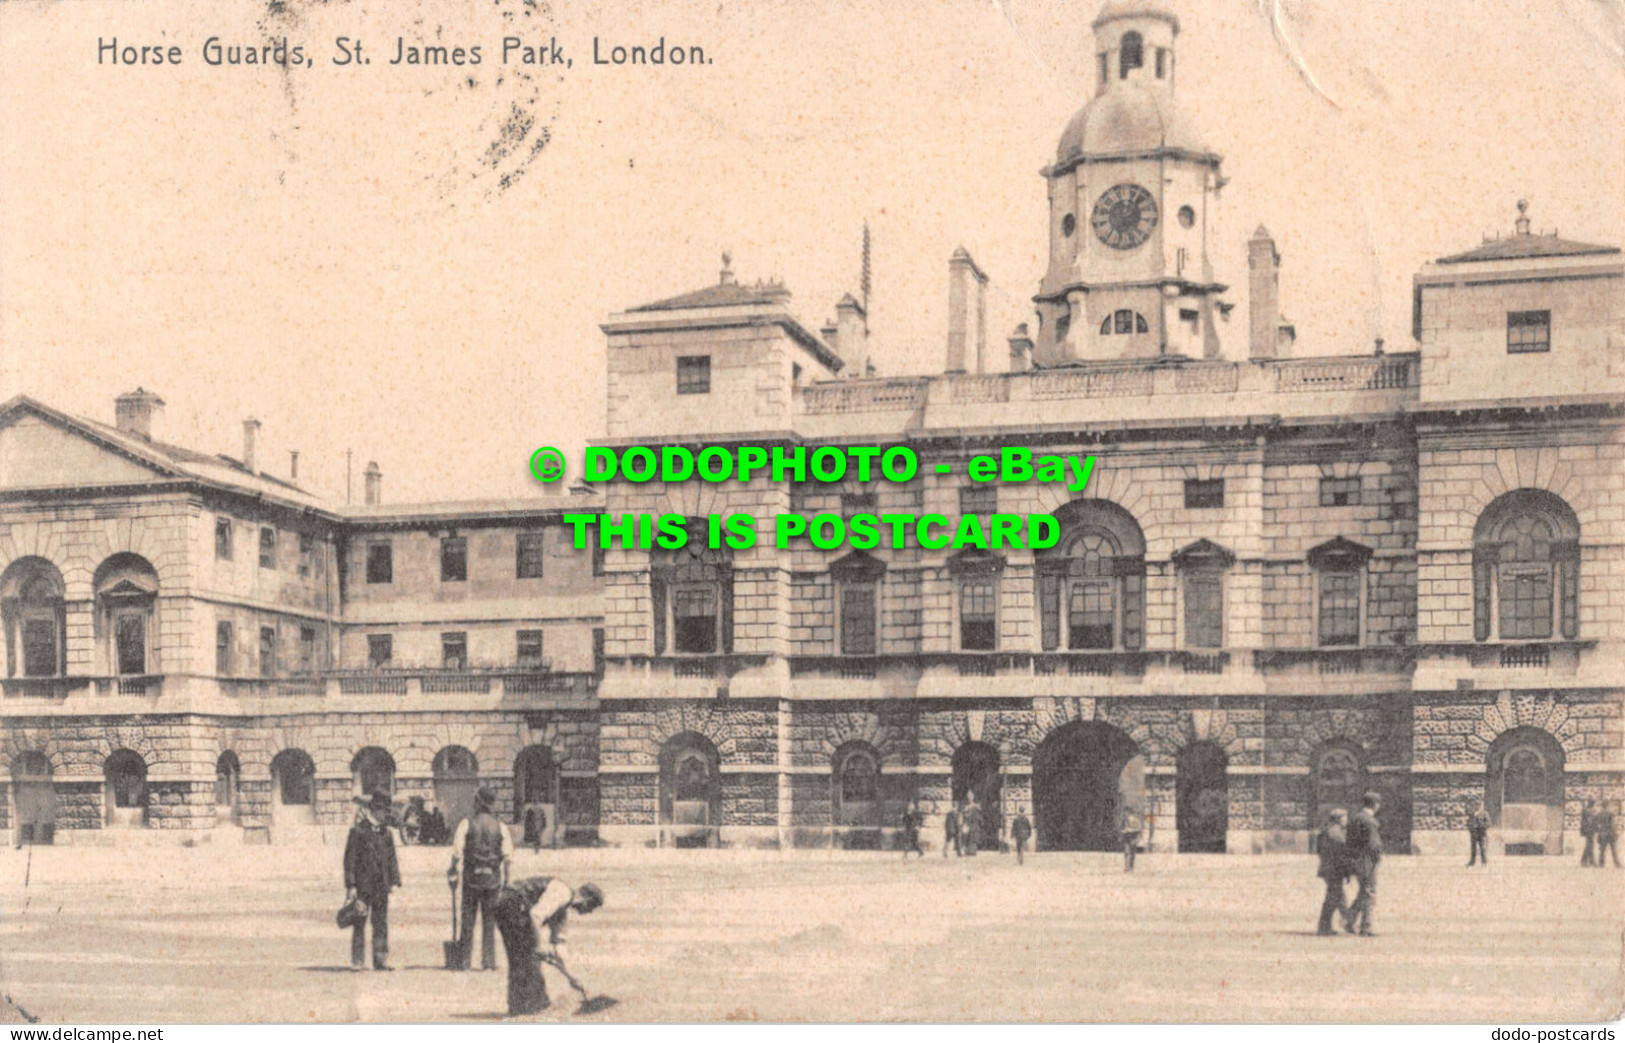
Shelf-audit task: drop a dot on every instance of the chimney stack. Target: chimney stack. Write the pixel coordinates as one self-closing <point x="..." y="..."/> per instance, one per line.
<point x="374" y="483"/>
<point x="967" y="314"/>
<point x="852" y="337"/>
<point x="293" y="464"/>
<point x="134" y="411"/>
<point x="251" y="430"/>
<point x="1264" y="293"/>
<point x="1021" y="350"/>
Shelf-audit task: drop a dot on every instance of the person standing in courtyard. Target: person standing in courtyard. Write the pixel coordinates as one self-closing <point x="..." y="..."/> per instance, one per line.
<point x="970" y="826"/>
<point x="527" y="911"/>
<point x="1588" y="829"/>
<point x="1331" y="844"/>
<point x="912" y="820"/>
<point x="1020" y="831"/>
<point x="480" y="852"/>
<point x="370" y="871"/>
<point x="1364" y="852"/>
<point x="1607" y="837"/>
<point x="950" y="831"/>
<point x="1130" y="824"/>
<point x="1478" y="832"/>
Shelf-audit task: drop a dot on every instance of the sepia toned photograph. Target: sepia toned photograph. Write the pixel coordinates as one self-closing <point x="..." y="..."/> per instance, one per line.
<point x="535" y="512"/>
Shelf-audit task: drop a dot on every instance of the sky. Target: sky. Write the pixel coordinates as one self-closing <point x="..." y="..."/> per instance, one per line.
<point x="411" y="263"/>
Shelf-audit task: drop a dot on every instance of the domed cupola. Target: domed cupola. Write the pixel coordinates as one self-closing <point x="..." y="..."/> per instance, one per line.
<point x="1129" y="193"/>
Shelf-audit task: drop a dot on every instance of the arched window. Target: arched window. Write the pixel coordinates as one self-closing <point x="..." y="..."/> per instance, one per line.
<point x="859" y="776"/>
<point x="691" y="790"/>
<point x="1524" y="776"/>
<point x="32" y="607"/>
<point x="126" y="592"/>
<point x="691" y="591"/>
<point x="1094" y="581"/>
<point x="373" y="769"/>
<point x="227" y="772"/>
<point x="1133" y="54"/>
<point x="125" y="776"/>
<point x="1124" y="320"/>
<point x="1526" y="568"/>
<point x="293" y="778"/>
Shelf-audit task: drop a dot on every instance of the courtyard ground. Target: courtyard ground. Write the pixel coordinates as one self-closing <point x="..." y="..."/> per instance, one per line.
<point x="166" y="935"/>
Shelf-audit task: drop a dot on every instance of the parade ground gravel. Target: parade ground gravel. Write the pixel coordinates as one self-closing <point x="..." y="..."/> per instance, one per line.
<point x="210" y="934"/>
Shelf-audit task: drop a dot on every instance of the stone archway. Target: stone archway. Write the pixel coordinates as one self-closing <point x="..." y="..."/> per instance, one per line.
<point x="1202" y="798"/>
<point x="691" y="791"/>
<point x="1084" y="774"/>
<point x="1524" y="791"/>
<point x="976" y="771"/>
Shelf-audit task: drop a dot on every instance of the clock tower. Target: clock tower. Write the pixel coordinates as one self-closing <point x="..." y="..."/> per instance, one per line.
<point x="1129" y="197"/>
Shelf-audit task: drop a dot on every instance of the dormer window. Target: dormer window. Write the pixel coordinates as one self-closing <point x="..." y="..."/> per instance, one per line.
<point x="694" y="374"/>
<point x="1529" y="332"/>
<point x="1132" y="56"/>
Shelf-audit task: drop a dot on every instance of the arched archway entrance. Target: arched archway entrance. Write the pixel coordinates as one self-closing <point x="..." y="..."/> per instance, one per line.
<point x="125" y="775"/>
<point x="855" y="798"/>
<point x="976" y="770"/>
<point x="293" y="789"/>
<point x="536" y="795"/>
<point x="690" y="791"/>
<point x="456" y="780"/>
<point x="1339" y="782"/>
<point x="228" y="774"/>
<point x="1524" y="791"/>
<point x="33" y="798"/>
<point x="1202" y="798"/>
<point x="1084" y="774"/>
<point x="373" y="769"/>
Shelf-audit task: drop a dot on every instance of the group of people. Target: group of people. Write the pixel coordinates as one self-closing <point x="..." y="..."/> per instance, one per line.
<point x="524" y="911"/>
<point x="1350" y="848"/>
<point x="1601" y="836"/>
<point x="964" y="824"/>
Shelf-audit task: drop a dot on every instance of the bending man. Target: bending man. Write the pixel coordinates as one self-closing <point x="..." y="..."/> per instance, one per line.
<point x="526" y="911"/>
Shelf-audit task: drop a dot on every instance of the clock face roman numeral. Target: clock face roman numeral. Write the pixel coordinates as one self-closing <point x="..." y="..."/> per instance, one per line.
<point x="1124" y="216"/>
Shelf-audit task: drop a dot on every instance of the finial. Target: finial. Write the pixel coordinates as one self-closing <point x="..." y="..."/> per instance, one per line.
<point x="1522" y="223"/>
<point x="727" y="268"/>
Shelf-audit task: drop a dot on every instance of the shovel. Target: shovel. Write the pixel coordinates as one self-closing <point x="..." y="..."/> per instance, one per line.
<point x="589" y="1004"/>
<point x="453" y="948"/>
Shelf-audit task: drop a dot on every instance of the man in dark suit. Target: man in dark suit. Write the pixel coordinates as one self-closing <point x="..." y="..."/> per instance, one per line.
<point x="1607" y="838"/>
<point x="479" y="860"/>
<point x="1588" y="829"/>
<point x="970" y="826"/>
<point x="950" y="831"/>
<point x="1021" y="830"/>
<point x="1478" y="831"/>
<point x="911" y="830"/>
<point x="1332" y="846"/>
<point x="1130" y="823"/>
<point x="370" y="871"/>
<point x="1364" y="852"/>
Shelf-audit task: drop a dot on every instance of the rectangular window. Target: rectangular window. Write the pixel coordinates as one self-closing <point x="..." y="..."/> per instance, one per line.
<point x="307" y="650"/>
<point x="307" y="552"/>
<point x="1526" y="601"/>
<point x="858" y="619"/>
<point x="380" y="563"/>
<point x="1049" y="611"/>
<point x="1162" y="63"/>
<point x="694" y="617"/>
<point x="978" y="499"/>
<point x="1105" y="69"/>
<point x="598" y="650"/>
<point x="693" y="374"/>
<point x="130" y="641"/>
<point x="454" y="650"/>
<point x="39" y="647"/>
<point x="267" y="548"/>
<point x="1204" y="610"/>
<point x="1528" y="332"/>
<point x="267" y="651"/>
<point x="453" y="559"/>
<point x="1340" y="492"/>
<point x="978" y="616"/>
<point x="859" y="503"/>
<point x="1091" y="615"/>
<point x="222" y="539"/>
<point x="1340" y="608"/>
<point x="530" y="650"/>
<point x="223" y="637"/>
<point x="1204" y="493"/>
<point x="380" y="650"/>
<point x="528" y="555"/>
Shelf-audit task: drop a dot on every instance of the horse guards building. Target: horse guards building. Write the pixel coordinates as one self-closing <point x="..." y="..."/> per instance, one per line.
<point x="1294" y="576"/>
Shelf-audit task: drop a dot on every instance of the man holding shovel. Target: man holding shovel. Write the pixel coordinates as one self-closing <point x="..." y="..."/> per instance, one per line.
<point x="479" y="859"/>
<point x="525" y="912"/>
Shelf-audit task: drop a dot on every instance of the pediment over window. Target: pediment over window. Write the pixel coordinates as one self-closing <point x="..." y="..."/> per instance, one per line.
<point x="974" y="562"/>
<point x="1339" y="555"/>
<point x="1204" y="554"/>
<point x="857" y="567"/>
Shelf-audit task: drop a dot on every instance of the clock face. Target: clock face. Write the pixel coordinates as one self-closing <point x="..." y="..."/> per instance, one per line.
<point x="1124" y="216"/>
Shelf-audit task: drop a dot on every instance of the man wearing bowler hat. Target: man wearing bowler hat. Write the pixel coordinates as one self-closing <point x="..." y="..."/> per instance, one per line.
<point x="370" y="871"/>
<point x="479" y="856"/>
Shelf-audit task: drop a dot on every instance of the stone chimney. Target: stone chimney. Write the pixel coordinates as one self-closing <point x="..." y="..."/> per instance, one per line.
<point x="251" y="431"/>
<point x="134" y="411"/>
<point x="374" y="483"/>
<point x="1264" y="291"/>
<point x="852" y="337"/>
<point x="967" y="315"/>
<point x="1021" y="350"/>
